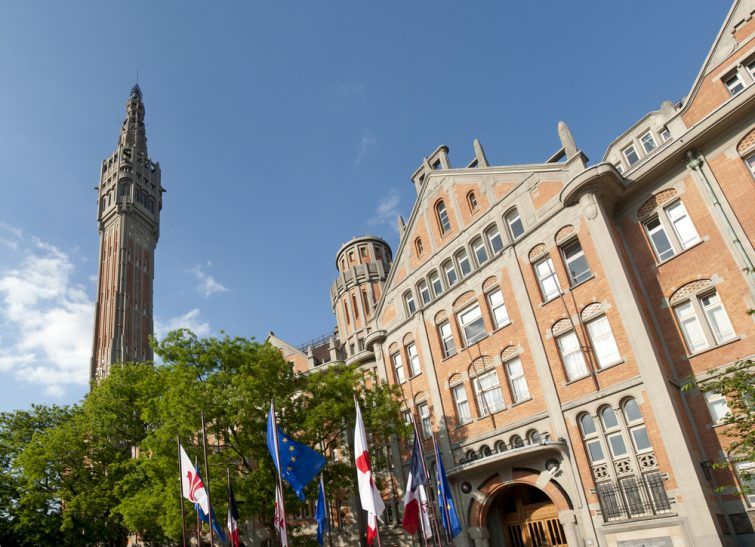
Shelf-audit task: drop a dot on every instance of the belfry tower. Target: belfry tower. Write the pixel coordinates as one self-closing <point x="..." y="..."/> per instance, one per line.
<point x="129" y="203"/>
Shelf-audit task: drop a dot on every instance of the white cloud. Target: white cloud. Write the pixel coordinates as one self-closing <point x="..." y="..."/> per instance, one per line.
<point x="386" y="210"/>
<point x="48" y="316"/>
<point x="366" y="145"/>
<point x="190" y="320"/>
<point x="207" y="285"/>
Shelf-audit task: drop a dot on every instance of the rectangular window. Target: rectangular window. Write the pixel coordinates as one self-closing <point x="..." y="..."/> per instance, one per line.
<point x="366" y="302"/>
<point x="494" y="238"/>
<point x="718" y="320"/>
<point x="465" y="266"/>
<point x="450" y="271"/>
<point x="446" y="339"/>
<point x="424" y="292"/>
<point x="436" y="283"/>
<point x="693" y="332"/>
<point x="571" y="353"/>
<point x="411" y="351"/>
<point x="489" y="395"/>
<point x="617" y="445"/>
<point x="717" y="406"/>
<point x="648" y="142"/>
<point x="445" y="222"/>
<point x="398" y="367"/>
<point x="472" y="325"/>
<point x="603" y="342"/>
<point x="462" y="405"/>
<point x="665" y="134"/>
<point x="659" y="239"/>
<point x="514" y="221"/>
<point x="519" y="389"/>
<point x="546" y="277"/>
<point x="411" y="305"/>
<point x="595" y="451"/>
<point x="619" y="167"/>
<point x="424" y="418"/>
<point x="631" y="155"/>
<point x="685" y="230"/>
<point x="640" y="438"/>
<point x="575" y="262"/>
<point x="498" y="309"/>
<point x="735" y="85"/>
<point x="480" y="251"/>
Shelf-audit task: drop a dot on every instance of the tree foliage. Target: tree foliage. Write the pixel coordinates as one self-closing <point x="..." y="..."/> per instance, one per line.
<point x="108" y="467"/>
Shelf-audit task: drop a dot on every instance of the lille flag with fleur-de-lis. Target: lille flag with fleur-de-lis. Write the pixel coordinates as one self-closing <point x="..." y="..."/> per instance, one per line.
<point x="192" y="487"/>
<point x="299" y="464"/>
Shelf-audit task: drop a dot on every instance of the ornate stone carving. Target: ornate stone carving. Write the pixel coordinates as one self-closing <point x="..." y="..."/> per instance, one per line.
<point x="647" y="461"/>
<point x="623" y="467"/>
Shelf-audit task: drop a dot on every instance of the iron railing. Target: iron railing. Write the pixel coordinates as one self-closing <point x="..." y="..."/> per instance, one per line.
<point x="633" y="497"/>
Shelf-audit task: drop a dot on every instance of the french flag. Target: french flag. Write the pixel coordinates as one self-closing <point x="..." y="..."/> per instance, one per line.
<point x="415" y="499"/>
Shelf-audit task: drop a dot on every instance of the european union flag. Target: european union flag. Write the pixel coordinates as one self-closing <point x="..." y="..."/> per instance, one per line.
<point x="299" y="464"/>
<point x="448" y="516"/>
<point x="321" y="516"/>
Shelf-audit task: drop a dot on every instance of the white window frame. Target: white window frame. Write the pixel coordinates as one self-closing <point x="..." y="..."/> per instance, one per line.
<point x="424" y="292"/>
<point x="751" y="68"/>
<point x="483" y="401"/>
<point x="511" y="218"/>
<point x="426" y="425"/>
<point x="432" y="278"/>
<point x="691" y="327"/>
<point x="665" y="134"/>
<point x="450" y="266"/>
<point x="410" y="303"/>
<point x="573" y="358"/>
<point x="684" y="229"/>
<point x="462" y="259"/>
<point x="575" y="279"/>
<point x="520" y="390"/>
<point x="625" y="152"/>
<point x="492" y="233"/>
<point x="478" y="245"/>
<point x="414" y="365"/>
<point x="731" y="84"/>
<point x="498" y="312"/>
<point x="543" y="277"/>
<point x="648" y="138"/>
<point x="446" y="339"/>
<point x="398" y="367"/>
<point x="472" y="200"/>
<point x="717" y="406"/>
<point x="750" y="163"/>
<point x="467" y="317"/>
<point x="720" y="326"/>
<point x="652" y="231"/>
<point x="619" y="167"/>
<point x="463" y="410"/>
<point x="444" y="221"/>
<point x="603" y="343"/>
<point x="592" y="439"/>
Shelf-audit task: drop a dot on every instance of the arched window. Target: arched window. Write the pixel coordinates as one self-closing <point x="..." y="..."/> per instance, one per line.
<point x="424" y="292"/>
<point x="533" y="437"/>
<point x="465" y="266"/>
<point x="516" y="442"/>
<point x="514" y="224"/>
<point x="472" y="201"/>
<point x="590" y="438"/>
<point x="636" y="425"/>
<point x="485" y="451"/>
<point x="435" y="283"/>
<point x="494" y="238"/>
<point x="449" y="269"/>
<point x="500" y="446"/>
<point x="614" y="438"/>
<point x="480" y="251"/>
<point x="409" y="303"/>
<point x="444" y="222"/>
<point x="418" y="245"/>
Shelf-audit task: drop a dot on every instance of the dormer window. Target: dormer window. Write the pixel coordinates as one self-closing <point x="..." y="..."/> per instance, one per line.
<point x="443" y="221"/>
<point x="472" y="200"/>
<point x="734" y="84"/>
<point x="631" y="155"/>
<point x="648" y="142"/>
<point x="665" y="134"/>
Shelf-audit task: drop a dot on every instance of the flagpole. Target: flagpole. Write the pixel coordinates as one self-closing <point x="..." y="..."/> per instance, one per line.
<point x="228" y="482"/>
<point x="445" y="510"/>
<point x="207" y="478"/>
<point x="434" y="523"/>
<point x="198" y="508"/>
<point x="278" y="467"/>
<point x="327" y="512"/>
<point x="181" y="485"/>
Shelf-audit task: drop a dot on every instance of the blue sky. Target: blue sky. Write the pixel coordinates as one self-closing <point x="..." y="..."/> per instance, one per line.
<point x="283" y="129"/>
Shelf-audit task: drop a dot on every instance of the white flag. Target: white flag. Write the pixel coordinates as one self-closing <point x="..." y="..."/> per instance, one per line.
<point x="192" y="487"/>
<point x="279" y="518"/>
<point x="368" y="492"/>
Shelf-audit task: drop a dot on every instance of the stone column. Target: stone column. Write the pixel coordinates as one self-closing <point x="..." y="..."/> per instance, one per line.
<point x="568" y="520"/>
<point x="480" y="536"/>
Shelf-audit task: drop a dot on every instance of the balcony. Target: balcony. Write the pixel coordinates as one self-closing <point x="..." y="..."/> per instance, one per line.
<point x="510" y="456"/>
<point x="633" y="497"/>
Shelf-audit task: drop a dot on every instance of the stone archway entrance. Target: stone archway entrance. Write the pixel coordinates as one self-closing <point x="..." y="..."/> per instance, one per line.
<point x="524" y="516"/>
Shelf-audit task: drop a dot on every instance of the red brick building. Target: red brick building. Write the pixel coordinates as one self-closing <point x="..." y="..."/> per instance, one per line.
<point x="542" y="318"/>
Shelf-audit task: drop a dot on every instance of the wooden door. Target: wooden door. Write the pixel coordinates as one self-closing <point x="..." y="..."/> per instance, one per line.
<point x="532" y="521"/>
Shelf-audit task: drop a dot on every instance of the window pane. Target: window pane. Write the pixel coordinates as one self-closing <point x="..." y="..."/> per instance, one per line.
<point x="472" y="324"/>
<point x="632" y="411"/>
<point x="546" y="276"/>
<point x="480" y="251"/>
<point x="595" y="451"/>
<point x="641" y="439"/>
<point x="496" y="244"/>
<point x="516" y="228"/>
<point x="735" y="85"/>
<point x="519" y="389"/>
<point x="451" y="276"/>
<point x="447" y="339"/>
<point x="693" y="333"/>
<point x="498" y="309"/>
<point x="576" y="263"/>
<point x="489" y="392"/>
<point x="717" y="405"/>
<point x="608" y="416"/>
<point x="683" y="226"/>
<point x="588" y="425"/>
<point x="462" y="405"/>
<point x="574" y="360"/>
<point x="717" y="318"/>
<point x="445" y="223"/>
<point x="464" y="265"/>
<point x="437" y="285"/>
<point x="424" y="292"/>
<point x="631" y="155"/>
<point x="617" y="445"/>
<point x="414" y="367"/>
<point x="648" y="142"/>
<point x="411" y="307"/>
<point x="658" y="238"/>
<point x="603" y="342"/>
<point x="398" y="367"/>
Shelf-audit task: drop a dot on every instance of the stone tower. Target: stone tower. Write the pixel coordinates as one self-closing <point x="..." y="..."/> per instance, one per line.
<point x="129" y="203"/>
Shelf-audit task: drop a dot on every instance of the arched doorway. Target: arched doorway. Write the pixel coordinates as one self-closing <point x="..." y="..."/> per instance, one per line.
<point x="524" y="516"/>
